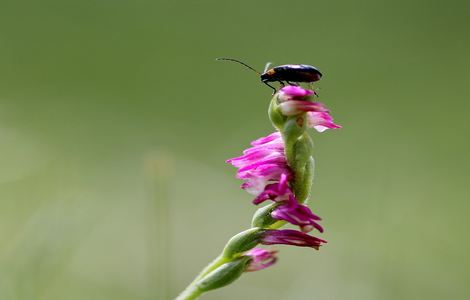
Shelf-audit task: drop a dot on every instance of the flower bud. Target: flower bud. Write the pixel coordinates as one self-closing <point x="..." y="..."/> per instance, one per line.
<point x="275" y="115"/>
<point x="262" y="217"/>
<point x="242" y="242"/>
<point x="294" y="127"/>
<point x="260" y="259"/>
<point x="290" y="237"/>
<point x="297" y="214"/>
<point x="224" y="275"/>
<point x="303" y="167"/>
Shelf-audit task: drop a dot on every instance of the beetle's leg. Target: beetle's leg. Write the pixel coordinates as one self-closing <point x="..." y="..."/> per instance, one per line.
<point x="274" y="89"/>
<point x="316" y="91"/>
<point x="282" y="83"/>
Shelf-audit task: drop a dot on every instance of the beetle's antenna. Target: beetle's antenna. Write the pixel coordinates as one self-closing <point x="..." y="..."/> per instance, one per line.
<point x="242" y="63"/>
<point x="266" y="67"/>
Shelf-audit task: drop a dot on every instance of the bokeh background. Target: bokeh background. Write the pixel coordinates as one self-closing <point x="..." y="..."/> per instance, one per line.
<point x="115" y="122"/>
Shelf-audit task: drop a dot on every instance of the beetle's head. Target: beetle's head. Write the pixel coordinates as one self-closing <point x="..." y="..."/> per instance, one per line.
<point x="268" y="75"/>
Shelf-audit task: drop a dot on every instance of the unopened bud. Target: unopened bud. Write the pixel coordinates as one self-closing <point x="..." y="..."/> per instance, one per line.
<point x="262" y="217"/>
<point x="275" y="115"/>
<point x="242" y="242"/>
<point x="224" y="275"/>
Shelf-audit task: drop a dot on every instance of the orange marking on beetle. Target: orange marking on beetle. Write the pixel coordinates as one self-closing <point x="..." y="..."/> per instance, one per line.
<point x="270" y="72"/>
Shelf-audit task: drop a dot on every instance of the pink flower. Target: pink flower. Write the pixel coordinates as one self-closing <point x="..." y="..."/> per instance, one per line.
<point x="297" y="214"/>
<point x="267" y="175"/>
<point x="263" y="163"/>
<point x="295" y="100"/>
<point x="259" y="175"/>
<point x="290" y="237"/>
<point x="290" y="209"/>
<point x="261" y="259"/>
<point x="276" y="191"/>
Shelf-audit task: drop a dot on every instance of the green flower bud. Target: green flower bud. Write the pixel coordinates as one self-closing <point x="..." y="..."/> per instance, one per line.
<point x="275" y="115"/>
<point x="223" y="275"/>
<point x="303" y="149"/>
<point x="294" y="128"/>
<point x="304" y="182"/>
<point x="242" y="242"/>
<point x="262" y="217"/>
<point x="303" y="167"/>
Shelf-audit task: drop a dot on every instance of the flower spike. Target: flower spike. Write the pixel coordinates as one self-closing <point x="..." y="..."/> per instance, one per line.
<point x="277" y="169"/>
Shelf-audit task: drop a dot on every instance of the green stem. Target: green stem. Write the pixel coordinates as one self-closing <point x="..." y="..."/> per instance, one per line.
<point x="220" y="260"/>
<point x="191" y="291"/>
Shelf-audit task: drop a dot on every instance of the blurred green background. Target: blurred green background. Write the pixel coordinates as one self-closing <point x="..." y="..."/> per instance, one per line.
<point x="115" y="122"/>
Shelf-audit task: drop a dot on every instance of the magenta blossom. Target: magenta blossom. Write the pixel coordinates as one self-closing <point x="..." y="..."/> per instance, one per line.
<point x="290" y="209"/>
<point x="260" y="259"/>
<point x="297" y="214"/>
<point x="263" y="163"/>
<point x="318" y="116"/>
<point x="295" y="100"/>
<point x="290" y="237"/>
<point x="276" y="191"/>
<point x="267" y="176"/>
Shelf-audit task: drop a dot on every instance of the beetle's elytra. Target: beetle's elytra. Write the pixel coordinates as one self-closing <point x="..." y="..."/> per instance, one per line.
<point x="292" y="73"/>
<point x="285" y="73"/>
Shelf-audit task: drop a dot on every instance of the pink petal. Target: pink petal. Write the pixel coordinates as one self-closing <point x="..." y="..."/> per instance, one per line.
<point x="295" y="107"/>
<point x="321" y="121"/>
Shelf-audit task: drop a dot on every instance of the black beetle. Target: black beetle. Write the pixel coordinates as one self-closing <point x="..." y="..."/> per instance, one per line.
<point x="287" y="73"/>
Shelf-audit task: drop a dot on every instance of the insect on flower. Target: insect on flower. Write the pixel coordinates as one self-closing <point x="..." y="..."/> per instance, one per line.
<point x="289" y="73"/>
